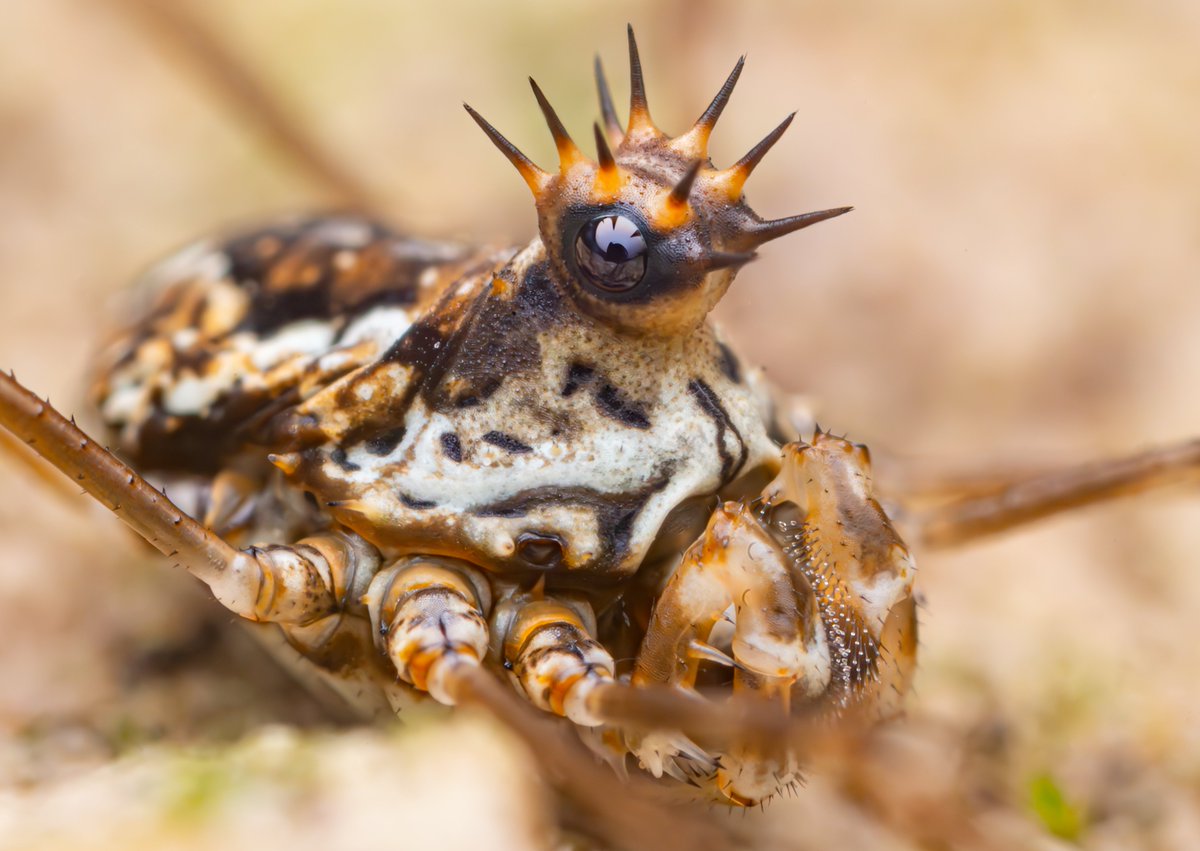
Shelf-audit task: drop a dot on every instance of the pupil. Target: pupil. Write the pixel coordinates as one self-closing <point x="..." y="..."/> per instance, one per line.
<point x="616" y="252"/>
<point x="610" y="251"/>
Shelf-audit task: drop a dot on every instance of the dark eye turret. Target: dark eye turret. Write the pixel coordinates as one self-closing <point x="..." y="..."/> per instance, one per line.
<point x="610" y="252"/>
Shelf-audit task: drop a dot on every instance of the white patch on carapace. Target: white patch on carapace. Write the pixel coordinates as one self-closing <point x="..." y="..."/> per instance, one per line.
<point x="191" y="395"/>
<point x="429" y="277"/>
<point x="383" y="325"/>
<point x="185" y="338"/>
<point x="306" y="337"/>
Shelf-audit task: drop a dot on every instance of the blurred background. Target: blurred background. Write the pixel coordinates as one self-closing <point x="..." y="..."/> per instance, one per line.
<point x="1019" y="286"/>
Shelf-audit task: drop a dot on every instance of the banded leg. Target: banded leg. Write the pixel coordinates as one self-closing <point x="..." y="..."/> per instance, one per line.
<point x="549" y="647"/>
<point x="430" y="616"/>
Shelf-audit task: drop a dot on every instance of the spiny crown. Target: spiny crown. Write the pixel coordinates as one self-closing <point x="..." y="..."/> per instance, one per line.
<point x="649" y="235"/>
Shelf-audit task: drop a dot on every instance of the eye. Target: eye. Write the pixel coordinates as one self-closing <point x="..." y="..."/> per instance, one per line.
<point x="611" y="253"/>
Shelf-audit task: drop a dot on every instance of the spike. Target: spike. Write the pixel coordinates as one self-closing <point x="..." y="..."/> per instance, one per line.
<point x="672" y="209"/>
<point x="679" y="195"/>
<point x="639" y="110"/>
<point x="728" y="259"/>
<point x="607" y="111"/>
<point x="761" y="232"/>
<point x="603" y="152"/>
<point x="608" y="177"/>
<point x="695" y="141"/>
<point x="735" y="176"/>
<point x="568" y="152"/>
<point x="534" y="176"/>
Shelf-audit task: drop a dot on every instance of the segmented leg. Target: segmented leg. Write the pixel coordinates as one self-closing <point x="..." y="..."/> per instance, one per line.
<point x="548" y="645"/>
<point x="292" y="585"/>
<point x="1005" y="506"/>
<point x="430" y="615"/>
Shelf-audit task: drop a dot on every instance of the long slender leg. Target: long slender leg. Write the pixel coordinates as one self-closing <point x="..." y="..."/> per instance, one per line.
<point x="280" y="584"/>
<point x="1007" y="506"/>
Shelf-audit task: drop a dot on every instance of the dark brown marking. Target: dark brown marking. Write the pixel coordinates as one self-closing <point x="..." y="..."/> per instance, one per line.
<point x="615" y="515"/>
<point x="385" y="443"/>
<point x="506" y="442"/>
<point x="614" y="405"/>
<point x="414" y="503"/>
<point x="338" y="456"/>
<point x="711" y="405"/>
<point x="729" y="364"/>
<point x="299" y="278"/>
<point x="577" y="376"/>
<point x="452" y="446"/>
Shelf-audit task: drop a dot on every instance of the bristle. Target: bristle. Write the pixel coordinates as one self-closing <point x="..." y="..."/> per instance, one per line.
<point x="762" y="232"/>
<point x="682" y="189"/>
<point x="608" y="176"/>
<point x="568" y="151"/>
<point x="728" y="259"/>
<point x="534" y="176"/>
<point x="695" y="141"/>
<point x="639" y="110"/>
<point x="735" y="175"/>
<point x="607" y="111"/>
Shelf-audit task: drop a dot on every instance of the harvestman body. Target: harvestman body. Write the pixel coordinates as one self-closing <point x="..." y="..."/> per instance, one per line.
<point x="424" y="464"/>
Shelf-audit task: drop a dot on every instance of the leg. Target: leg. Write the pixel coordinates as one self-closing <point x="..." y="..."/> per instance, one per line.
<point x="548" y="645"/>
<point x="292" y="585"/>
<point x="430" y="615"/>
<point x="1005" y="506"/>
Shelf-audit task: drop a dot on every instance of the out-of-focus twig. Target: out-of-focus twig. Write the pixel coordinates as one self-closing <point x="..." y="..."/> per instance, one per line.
<point x="189" y="39"/>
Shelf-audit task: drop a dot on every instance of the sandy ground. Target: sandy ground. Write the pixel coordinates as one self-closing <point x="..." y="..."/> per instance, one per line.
<point x="1018" y="286"/>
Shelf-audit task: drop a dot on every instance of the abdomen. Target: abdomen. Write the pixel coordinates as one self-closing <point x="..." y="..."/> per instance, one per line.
<point x="236" y="329"/>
